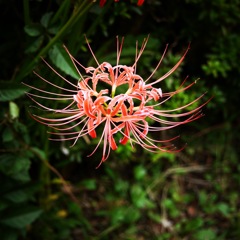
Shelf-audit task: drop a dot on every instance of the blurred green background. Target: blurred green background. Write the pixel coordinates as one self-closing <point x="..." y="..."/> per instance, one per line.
<point x="50" y="191"/>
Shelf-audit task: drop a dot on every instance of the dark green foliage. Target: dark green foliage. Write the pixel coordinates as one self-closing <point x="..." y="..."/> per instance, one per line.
<point x="52" y="191"/>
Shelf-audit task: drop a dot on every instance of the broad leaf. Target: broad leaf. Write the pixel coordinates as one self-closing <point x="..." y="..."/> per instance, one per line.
<point x="33" y="30"/>
<point x="61" y="59"/>
<point x="35" y="45"/>
<point x="13" y="110"/>
<point x="17" y="196"/>
<point x="10" y="90"/>
<point x="46" y="19"/>
<point x="15" y="166"/>
<point x="21" y="217"/>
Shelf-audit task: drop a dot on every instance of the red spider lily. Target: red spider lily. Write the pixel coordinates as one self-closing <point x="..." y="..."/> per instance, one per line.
<point x="126" y="114"/>
<point x="102" y="2"/>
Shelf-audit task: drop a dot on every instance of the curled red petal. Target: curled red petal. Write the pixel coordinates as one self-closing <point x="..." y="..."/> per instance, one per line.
<point x="102" y="3"/>
<point x="86" y="106"/>
<point x="112" y="142"/>
<point x="91" y="130"/>
<point x="124" y="140"/>
<point x="140" y="2"/>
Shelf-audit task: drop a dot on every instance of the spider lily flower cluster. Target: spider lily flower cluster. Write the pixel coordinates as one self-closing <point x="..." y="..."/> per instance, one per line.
<point x="126" y="113"/>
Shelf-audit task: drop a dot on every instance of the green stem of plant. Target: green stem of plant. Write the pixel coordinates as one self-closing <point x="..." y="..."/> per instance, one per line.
<point x="26" y="12"/>
<point x="44" y="176"/>
<point x="60" y="11"/>
<point x="46" y="168"/>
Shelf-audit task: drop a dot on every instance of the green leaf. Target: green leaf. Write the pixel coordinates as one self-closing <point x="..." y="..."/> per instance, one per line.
<point x="117" y="215"/>
<point x="13" y="110"/>
<point x="139" y="172"/>
<point x="90" y="184"/>
<point x="35" y="45"/>
<point x="23" y="131"/>
<point x="7" y="135"/>
<point x="21" y="217"/>
<point x="139" y="197"/>
<point x="205" y="234"/>
<point x="53" y="30"/>
<point x="33" y="30"/>
<point x="61" y="59"/>
<point x="224" y="209"/>
<point x="194" y="224"/>
<point x="15" y="166"/>
<point x="46" y="18"/>
<point x="17" y="196"/>
<point x="11" y="90"/>
<point x="132" y="215"/>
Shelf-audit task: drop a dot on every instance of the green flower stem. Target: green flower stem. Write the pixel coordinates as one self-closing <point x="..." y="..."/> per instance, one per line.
<point x="61" y="11"/>
<point x="26" y="12"/>
<point x="44" y="173"/>
<point x="113" y="90"/>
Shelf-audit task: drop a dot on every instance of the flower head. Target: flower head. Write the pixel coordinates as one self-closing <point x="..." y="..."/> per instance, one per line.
<point x="117" y="99"/>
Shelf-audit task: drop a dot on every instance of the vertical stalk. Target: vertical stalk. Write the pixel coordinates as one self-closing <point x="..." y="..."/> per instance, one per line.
<point x="44" y="174"/>
<point x="26" y="12"/>
<point x="61" y="12"/>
